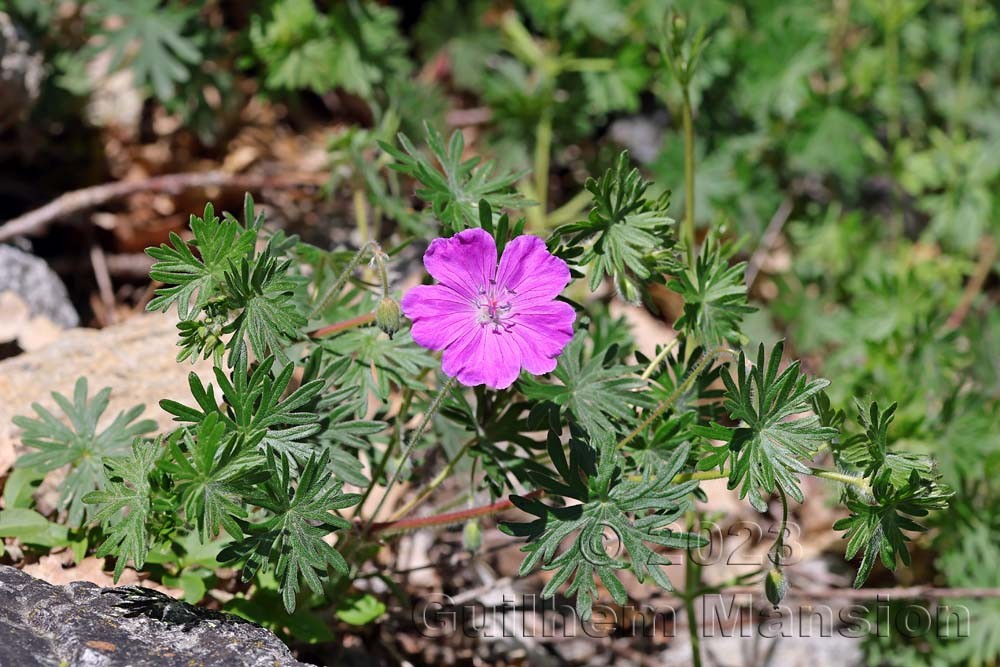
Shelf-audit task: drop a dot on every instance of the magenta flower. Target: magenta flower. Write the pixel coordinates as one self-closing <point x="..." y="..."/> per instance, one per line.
<point x="491" y="321"/>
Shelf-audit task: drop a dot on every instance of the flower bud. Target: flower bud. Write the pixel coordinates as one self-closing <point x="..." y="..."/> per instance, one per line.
<point x="388" y="317"/>
<point x="775" y="586"/>
<point x="471" y="536"/>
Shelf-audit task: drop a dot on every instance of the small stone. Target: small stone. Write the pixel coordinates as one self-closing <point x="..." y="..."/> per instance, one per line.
<point x="31" y="279"/>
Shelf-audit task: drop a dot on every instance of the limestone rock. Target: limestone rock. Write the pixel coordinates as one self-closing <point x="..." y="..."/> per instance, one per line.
<point x="79" y="626"/>
<point x="135" y="358"/>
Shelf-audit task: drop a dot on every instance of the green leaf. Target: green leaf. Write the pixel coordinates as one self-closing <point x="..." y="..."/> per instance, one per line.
<point x="360" y="609"/>
<point x="715" y="297"/>
<point x="344" y="435"/>
<point x="876" y="530"/>
<point x="19" y="489"/>
<point x="209" y="475"/>
<point x="769" y="448"/>
<point x="454" y="195"/>
<point x="291" y="538"/>
<point x="80" y="446"/>
<point x="635" y="515"/>
<point x="872" y="453"/>
<point x="597" y="394"/>
<point x="269" y="317"/>
<point x="352" y="45"/>
<point x="253" y="410"/>
<point x="368" y="359"/>
<point x="192" y="281"/>
<point x="265" y="608"/>
<point x="125" y="505"/>
<point x="192" y="582"/>
<point x="30" y="527"/>
<point x="627" y="236"/>
<point x="150" y="35"/>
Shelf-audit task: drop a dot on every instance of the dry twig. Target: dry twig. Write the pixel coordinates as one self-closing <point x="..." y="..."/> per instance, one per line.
<point x="35" y="222"/>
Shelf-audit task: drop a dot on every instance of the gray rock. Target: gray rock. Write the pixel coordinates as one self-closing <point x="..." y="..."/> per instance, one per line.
<point x="78" y="626"/>
<point x="38" y="286"/>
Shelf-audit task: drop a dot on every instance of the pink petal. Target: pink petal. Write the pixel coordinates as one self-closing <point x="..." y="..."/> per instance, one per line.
<point x="542" y="333"/>
<point x="465" y="262"/>
<point x="531" y="271"/>
<point x="439" y="315"/>
<point x="482" y="356"/>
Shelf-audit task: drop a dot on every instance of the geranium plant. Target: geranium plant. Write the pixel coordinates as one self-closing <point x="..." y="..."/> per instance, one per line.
<point x="535" y="385"/>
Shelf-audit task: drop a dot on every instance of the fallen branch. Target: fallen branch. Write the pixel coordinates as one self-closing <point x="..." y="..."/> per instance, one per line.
<point x="35" y="222"/>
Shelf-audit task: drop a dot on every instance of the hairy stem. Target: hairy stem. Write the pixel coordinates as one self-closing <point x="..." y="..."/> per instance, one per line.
<point x="436" y="482"/>
<point x="448" y="518"/>
<point x="336" y="327"/>
<point x="412" y="441"/>
<point x="779" y="542"/>
<point x="823" y="473"/>
<point x="655" y="363"/>
<point x="674" y="395"/>
<point x="543" y="148"/>
<point x="692" y="586"/>
<point x="404" y="408"/>
<point x="571" y="210"/>
<point x="835" y="476"/>
<point x="361" y="214"/>
<point x="687" y="232"/>
<point x="342" y="279"/>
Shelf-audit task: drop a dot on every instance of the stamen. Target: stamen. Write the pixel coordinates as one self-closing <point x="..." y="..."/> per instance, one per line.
<point x="494" y="307"/>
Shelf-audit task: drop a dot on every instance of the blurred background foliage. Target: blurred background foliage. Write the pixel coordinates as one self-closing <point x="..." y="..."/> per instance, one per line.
<point x="849" y="148"/>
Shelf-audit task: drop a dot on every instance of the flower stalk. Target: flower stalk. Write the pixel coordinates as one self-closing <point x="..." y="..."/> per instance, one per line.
<point x="411" y="443"/>
<point x="344" y="276"/>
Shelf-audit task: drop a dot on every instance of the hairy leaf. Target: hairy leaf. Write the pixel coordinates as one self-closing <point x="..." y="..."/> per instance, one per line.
<point x="210" y="472"/>
<point x="190" y="280"/>
<point x="715" y="297"/>
<point x="253" y="408"/>
<point x="770" y="448"/>
<point x="454" y="192"/>
<point x="125" y="505"/>
<point x="291" y="537"/>
<point x="596" y="394"/>
<point x="626" y="236"/>
<point x="80" y="446"/>
<point x="634" y="515"/>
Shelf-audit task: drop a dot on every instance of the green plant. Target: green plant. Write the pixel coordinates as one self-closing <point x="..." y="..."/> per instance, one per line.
<point x="257" y="462"/>
<point x="846" y="151"/>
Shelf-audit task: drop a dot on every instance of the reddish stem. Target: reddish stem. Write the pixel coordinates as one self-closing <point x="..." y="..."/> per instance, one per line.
<point x="346" y="324"/>
<point x="448" y="517"/>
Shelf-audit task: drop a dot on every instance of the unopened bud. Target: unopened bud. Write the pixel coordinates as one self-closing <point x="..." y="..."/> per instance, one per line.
<point x="388" y="317"/>
<point x="471" y="536"/>
<point x="775" y="586"/>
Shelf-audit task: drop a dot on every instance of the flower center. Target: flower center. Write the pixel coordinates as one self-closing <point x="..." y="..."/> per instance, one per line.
<point x="494" y="306"/>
